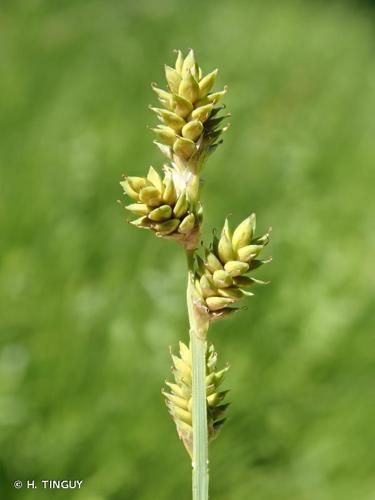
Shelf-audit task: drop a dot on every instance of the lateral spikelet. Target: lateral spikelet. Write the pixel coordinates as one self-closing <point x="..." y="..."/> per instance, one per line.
<point x="179" y="395"/>
<point x="222" y="275"/>
<point x="162" y="205"/>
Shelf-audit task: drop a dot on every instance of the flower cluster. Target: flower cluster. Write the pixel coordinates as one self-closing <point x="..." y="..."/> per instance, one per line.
<point x="179" y="395"/>
<point x="221" y="276"/>
<point x="190" y="127"/>
<point x="161" y="205"/>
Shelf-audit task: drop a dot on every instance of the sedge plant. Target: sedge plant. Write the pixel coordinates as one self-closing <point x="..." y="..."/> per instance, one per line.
<point x="168" y="204"/>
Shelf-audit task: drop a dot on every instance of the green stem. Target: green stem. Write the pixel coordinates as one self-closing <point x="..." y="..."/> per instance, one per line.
<point x="198" y="331"/>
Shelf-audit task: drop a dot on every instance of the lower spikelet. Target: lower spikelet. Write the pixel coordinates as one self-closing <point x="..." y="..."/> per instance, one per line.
<point x="179" y="395"/>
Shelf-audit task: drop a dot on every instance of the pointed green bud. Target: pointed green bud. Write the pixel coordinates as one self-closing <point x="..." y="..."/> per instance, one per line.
<point x="151" y="196"/>
<point x="188" y="63"/>
<point x="210" y="380"/>
<point x="164" y="97"/>
<point x="167" y="227"/>
<point x="129" y="191"/>
<point x="206" y="84"/>
<point x="176" y="400"/>
<point x="137" y="183"/>
<point x="189" y="88"/>
<point x="184" y="147"/>
<point x="196" y="72"/>
<point x="216" y="398"/>
<point x="201" y="268"/>
<point x="175" y="388"/>
<point x="208" y="287"/>
<point x="243" y="233"/>
<point x="187" y="224"/>
<point x="183" y="367"/>
<point x="155" y="179"/>
<point x="255" y="249"/>
<point x="202" y="113"/>
<point x="222" y="279"/>
<point x="219" y="376"/>
<point x="192" y="130"/>
<point x="203" y="102"/>
<point x="181" y="106"/>
<point x="169" y="118"/>
<point x="236" y="268"/>
<point x="170" y="195"/>
<point x="226" y="230"/>
<point x="173" y="78"/>
<point x="160" y="214"/>
<point x="193" y="186"/>
<point x="213" y="263"/>
<point x="190" y="404"/>
<point x="141" y="222"/>
<point x="165" y="134"/>
<point x="217" y="303"/>
<point x="179" y="62"/>
<point x="181" y="206"/>
<point x="183" y="415"/>
<point x="138" y="209"/>
<point x="231" y="293"/>
<point x="215" y="244"/>
<point x="185" y="353"/>
<point x="211" y="357"/>
<point x="249" y="252"/>
<point x="216" y="96"/>
<point x="197" y="286"/>
<point x="225" y="249"/>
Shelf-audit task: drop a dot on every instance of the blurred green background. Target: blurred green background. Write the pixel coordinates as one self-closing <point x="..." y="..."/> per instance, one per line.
<point x="89" y="305"/>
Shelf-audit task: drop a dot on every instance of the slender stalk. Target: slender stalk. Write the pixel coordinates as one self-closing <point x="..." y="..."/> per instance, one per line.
<point x="198" y="331"/>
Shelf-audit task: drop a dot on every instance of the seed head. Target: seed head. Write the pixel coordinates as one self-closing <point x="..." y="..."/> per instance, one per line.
<point x="187" y="132"/>
<point x="162" y="206"/>
<point x="178" y="395"/>
<point x="221" y="276"/>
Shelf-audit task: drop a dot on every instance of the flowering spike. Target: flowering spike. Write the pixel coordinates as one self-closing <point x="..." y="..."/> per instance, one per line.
<point x="190" y="129"/>
<point x="187" y="107"/>
<point x="179" y="394"/>
<point x="227" y="263"/>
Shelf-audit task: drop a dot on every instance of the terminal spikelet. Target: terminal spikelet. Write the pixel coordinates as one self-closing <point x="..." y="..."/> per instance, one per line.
<point x="222" y="276"/>
<point x="179" y="395"/>
<point x="190" y="126"/>
<point x="163" y="206"/>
